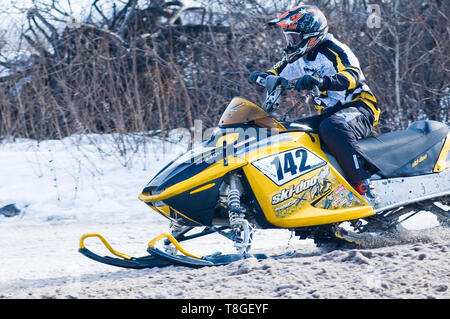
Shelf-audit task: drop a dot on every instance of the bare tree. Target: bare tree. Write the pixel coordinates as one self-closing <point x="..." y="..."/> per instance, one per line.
<point x="131" y="67"/>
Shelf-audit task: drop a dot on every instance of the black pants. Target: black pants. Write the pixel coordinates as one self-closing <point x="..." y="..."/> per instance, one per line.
<point x="340" y="132"/>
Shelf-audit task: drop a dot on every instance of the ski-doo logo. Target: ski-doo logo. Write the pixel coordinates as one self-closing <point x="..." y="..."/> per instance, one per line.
<point x="288" y="193"/>
<point x="296" y="196"/>
<point x="419" y="160"/>
<point x="284" y="167"/>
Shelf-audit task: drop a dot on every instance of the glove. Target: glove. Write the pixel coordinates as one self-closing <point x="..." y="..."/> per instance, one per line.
<point x="255" y="74"/>
<point x="273" y="81"/>
<point x="307" y="82"/>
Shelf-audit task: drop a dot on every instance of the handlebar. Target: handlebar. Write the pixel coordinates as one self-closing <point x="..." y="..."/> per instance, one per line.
<point x="275" y="86"/>
<point x="316" y="91"/>
<point x="286" y="84"/>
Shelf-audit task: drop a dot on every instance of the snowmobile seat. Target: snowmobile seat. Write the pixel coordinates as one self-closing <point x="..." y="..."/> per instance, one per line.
<point x="410" y="152"/>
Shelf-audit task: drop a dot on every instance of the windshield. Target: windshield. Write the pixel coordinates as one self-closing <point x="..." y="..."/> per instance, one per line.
<point x="241" y="111"/>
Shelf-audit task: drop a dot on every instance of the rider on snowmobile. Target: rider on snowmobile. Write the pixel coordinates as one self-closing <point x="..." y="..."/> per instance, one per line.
<point x="346" y="106"/>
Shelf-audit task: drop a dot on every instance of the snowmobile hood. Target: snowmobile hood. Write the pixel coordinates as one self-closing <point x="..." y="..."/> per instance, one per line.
<point x="225" y="151"/>
<point x="189" y="171"/>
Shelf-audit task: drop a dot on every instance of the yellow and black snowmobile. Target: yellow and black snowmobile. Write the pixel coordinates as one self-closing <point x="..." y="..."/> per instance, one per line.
<point x="257" y="172"/>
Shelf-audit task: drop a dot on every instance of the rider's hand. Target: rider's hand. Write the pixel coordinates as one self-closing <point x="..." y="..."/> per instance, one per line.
<point x="307" y="82"/>
<point x="255" y="75"/>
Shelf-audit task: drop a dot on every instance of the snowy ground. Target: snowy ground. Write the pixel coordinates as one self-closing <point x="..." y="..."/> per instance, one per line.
<point x="81" y="184"/>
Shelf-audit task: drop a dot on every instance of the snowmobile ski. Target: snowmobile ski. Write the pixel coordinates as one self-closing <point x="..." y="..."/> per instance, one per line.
<point x="216" y="259"/>
<point x="133" y="262"/>
<point x="196" y="261"/>
<point x="125" y="261"/>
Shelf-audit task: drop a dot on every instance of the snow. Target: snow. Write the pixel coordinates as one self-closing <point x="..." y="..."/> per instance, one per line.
<point x="89" y="183"/>
<point x="78" y="185"/>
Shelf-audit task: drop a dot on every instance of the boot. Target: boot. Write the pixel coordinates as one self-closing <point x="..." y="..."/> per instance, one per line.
<point x="367" y="191"/>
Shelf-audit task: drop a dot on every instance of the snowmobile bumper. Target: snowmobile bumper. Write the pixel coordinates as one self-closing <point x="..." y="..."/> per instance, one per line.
<point x="124" y="261"/>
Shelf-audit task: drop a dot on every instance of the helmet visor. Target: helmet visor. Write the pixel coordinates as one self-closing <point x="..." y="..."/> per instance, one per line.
<point x="293" y="39"/>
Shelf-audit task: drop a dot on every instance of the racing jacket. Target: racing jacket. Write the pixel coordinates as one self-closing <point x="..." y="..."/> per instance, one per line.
<point x="344" y="81"/>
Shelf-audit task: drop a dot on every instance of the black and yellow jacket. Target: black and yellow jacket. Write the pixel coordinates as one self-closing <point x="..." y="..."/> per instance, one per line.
<point x="343" y="79"/>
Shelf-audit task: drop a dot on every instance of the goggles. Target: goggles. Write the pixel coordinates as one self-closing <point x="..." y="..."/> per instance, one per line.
<point x="293" y="39"/>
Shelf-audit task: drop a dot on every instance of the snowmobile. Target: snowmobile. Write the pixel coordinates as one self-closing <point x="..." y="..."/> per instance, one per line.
<point x="256" y="172"/>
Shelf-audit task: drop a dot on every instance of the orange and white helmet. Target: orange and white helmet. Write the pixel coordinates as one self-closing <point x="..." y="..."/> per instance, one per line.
<point x="304" y="27"/>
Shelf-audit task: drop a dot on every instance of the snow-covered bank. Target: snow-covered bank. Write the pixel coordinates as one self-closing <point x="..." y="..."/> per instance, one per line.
<point x="81" y="184"/>
<point x="80" y="176"/>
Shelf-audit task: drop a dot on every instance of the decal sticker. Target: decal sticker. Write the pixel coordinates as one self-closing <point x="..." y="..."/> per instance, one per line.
<point x="284" y="167"/>
<point x="295" y="196"/>
<point x="293" y="190"/>
<point x="339" y="198"/>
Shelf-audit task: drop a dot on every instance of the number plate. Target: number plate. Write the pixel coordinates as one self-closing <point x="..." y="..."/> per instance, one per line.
<point x="284" y="167"/>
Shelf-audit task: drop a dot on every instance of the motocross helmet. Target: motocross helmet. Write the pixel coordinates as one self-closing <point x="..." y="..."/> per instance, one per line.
<point x="304" y="28"/>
